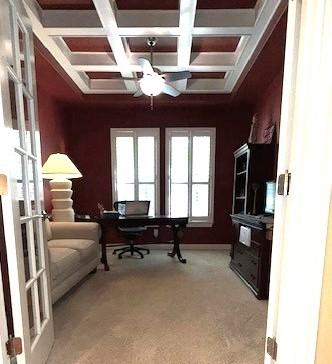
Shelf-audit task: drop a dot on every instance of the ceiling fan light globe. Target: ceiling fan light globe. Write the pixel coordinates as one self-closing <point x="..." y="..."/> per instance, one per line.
<point x="152" y="85"/>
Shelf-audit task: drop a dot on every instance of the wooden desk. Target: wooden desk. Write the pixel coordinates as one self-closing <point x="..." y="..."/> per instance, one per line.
<point x="177" y="225"/>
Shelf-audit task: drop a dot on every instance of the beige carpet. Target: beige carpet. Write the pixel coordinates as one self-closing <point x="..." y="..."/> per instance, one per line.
<point x="159" y="311"/>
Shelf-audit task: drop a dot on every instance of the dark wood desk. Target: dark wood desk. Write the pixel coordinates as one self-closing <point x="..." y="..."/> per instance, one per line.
<point x="177" y="225"/>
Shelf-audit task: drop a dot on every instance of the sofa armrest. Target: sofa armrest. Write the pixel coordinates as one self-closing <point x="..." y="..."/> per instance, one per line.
<point x="75" y="230"/>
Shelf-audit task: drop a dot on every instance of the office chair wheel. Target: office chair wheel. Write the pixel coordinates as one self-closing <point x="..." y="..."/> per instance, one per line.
<point x="120" y="256"/>
<point x="148" y="252"/>
<point x="114" y="252"/>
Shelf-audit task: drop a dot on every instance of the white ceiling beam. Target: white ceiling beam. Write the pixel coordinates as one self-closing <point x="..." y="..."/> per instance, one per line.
<point x="184" y="41"/>
<point x="163" y="68"/>
<point x="152" y="31"/>
<point x="165" y="61"/>
<point x="106" y="12"/>
<point x="33" y="9"/>
<point x="271" y="9"/>
<point x="196" y="86"/>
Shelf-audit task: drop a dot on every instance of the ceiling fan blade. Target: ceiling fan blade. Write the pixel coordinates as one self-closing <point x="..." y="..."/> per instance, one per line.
<point x="170" y="90"/>
<point x="138" y="93"/>
<point x="176" y="76"/>
<point x="146" y="66"/>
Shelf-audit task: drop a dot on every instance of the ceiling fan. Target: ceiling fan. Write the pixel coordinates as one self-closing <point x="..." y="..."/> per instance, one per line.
<point x="153" y="82"/>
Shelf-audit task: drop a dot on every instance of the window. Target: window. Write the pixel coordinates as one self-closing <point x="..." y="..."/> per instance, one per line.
<point x="135" y="165"/>
<point x="190" y="155"/>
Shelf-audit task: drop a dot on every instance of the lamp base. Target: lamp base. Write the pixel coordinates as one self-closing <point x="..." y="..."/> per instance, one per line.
<point x="61" y="193"/>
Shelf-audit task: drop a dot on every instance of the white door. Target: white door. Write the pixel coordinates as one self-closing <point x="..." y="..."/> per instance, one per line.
<point x="22" y="207"/>
<point x="301" y="220"/>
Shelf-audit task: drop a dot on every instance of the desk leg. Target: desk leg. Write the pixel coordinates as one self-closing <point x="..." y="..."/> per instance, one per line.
<point x="177" y="235"/>
<point x="104" y="251"/>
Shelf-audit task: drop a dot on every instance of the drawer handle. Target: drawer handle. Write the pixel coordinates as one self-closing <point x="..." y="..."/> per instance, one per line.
<point x="239" y="264"/>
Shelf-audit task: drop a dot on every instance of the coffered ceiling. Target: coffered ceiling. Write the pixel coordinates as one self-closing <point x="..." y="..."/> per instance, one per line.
<point x="98" y="42"/>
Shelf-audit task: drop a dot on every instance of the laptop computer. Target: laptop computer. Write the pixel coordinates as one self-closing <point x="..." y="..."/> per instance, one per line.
<point x="133" y="208"/>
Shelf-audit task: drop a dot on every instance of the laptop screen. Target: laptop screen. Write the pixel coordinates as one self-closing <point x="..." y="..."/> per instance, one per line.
<point x="130" y="208"/>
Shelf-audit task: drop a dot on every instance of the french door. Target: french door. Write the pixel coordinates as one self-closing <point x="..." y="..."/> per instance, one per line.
<point x="22" y="206"/>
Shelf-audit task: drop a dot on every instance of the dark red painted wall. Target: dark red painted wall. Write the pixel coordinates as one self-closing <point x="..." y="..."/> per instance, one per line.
<point x="52" y="117"/>
<point x="89" y="145"/>
<point x="268" y="108"/>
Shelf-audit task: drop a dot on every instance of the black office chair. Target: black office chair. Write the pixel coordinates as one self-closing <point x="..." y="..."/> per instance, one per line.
<point x="132" y="234"/>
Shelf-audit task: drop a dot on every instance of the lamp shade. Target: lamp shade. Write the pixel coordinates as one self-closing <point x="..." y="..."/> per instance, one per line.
<point x="60" y="166"/>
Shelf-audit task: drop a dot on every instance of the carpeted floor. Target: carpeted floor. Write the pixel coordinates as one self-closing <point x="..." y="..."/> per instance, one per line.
<point x="159" y="311"/>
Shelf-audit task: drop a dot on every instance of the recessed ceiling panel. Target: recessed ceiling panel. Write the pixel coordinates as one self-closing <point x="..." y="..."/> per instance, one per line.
<point x="147" y="4"/>
<point x="85" y="44"/>
<point x="215" y="44"/>
<point x="164" y="44"/>
<point x="67" y="4"/>
<point x="207" y="75"/>
<point x="226" y="4"/>
<point x="104" y="75"/>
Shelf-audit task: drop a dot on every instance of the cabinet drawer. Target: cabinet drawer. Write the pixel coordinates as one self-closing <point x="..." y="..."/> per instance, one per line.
<point x="247" y="265"/>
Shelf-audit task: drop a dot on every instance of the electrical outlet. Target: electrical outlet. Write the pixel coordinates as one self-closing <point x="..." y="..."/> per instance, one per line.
<point x="155" y="233"/>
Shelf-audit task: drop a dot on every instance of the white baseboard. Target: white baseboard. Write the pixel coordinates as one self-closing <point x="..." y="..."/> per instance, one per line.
<point x="190" y="246"/>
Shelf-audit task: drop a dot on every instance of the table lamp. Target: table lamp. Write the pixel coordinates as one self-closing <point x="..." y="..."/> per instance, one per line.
<point x="59" y="168"/>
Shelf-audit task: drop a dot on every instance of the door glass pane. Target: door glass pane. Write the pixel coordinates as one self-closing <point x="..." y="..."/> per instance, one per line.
<point x="32" y="192"/>
<point x="22" y="50"/>
<point x="200" y="200"/>
<point x="38" y="239"/>
<point x="20" y="193"/>
<point x="125" y="159"/>
<point x="41" y="297"/>
<point x="146" y="159"/>
<point x="26" y="252"/>
<point x="179" y="159"/>
<point x="27" y="123"/>
<point x="32" y="326"/>
<point x="146" y="192"/>
<point x="13" y="107"/>
<point x="179" y="200"/>
<point x="126" y="191"/>
<point x="201" y="158"/>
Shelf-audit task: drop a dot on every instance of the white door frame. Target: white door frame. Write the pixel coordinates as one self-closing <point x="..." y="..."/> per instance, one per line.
<point x="301" y="220"/>
<point x="16" y="36"/>
<point x="4" y="358"/>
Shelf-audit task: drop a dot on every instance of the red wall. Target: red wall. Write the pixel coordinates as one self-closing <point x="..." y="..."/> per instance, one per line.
<point x="51" y="89"/>
<point x="268" y="108"/>
<point x="89" y="146"/>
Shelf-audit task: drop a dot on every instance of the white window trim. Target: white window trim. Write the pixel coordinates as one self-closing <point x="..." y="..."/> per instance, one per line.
<point x="136" y="132"/>
<point x="211" y="132"/>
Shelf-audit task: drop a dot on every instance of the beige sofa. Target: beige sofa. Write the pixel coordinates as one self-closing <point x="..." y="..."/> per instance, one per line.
<point x="74" y="252"/>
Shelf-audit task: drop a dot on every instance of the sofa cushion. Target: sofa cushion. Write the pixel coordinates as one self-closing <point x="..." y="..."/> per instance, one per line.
<point x="64" y="262"/>
<point x="48" y="230"/>
<point x="87" y="249"/>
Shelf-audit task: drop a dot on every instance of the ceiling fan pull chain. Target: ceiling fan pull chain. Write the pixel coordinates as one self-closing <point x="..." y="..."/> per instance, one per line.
<point x="151" y="103"/>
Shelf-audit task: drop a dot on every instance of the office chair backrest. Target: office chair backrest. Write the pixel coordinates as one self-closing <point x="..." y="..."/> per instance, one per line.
<point x="132" y="208"/>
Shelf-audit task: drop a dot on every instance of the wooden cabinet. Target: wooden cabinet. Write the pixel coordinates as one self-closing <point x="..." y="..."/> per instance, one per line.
<point x="252" y="263"/>
<point x="254" y="166"/>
